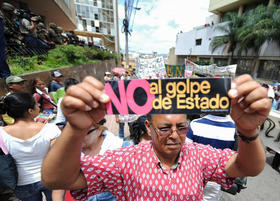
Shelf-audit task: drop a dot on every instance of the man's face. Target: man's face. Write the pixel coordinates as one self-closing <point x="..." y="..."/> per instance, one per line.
<point x="170" y="145"/>
<point x="57" y="79"/>
<point x="17" y="87"/>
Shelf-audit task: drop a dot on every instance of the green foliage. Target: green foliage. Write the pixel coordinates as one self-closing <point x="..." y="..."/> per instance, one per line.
<point x="64" y="55"/>
<point x="249" y="31"/>
<point x="231" y="29"/>
<point x="261" y="24"/>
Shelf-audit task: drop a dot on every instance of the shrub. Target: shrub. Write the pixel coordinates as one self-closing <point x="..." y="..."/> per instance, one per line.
<point x="64" y="55"/>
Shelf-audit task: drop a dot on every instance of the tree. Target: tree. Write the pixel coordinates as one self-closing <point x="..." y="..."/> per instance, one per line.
<point x="261" y="24"/>
<point x="229" y="39"/>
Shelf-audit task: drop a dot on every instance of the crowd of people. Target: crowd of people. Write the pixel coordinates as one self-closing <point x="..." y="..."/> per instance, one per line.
<point x="163" y="157"/>
<point x="24" y="33"/>
<point x="27" y="28"/>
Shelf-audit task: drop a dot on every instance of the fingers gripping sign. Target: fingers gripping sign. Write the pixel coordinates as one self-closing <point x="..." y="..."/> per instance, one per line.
<point x="84" y="104"/>
<point x="250" y="104"/>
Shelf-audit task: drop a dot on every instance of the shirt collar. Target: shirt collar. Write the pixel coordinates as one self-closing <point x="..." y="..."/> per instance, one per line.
<point x="158" y="162"/>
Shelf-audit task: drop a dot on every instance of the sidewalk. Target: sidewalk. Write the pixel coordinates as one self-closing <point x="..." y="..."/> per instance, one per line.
<point x="264" y="187"/>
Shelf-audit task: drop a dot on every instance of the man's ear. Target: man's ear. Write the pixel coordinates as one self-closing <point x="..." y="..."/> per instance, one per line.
<point x="148" y="127"/>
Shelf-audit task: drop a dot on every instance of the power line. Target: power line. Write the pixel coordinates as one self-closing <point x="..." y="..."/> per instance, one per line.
<point x="135" y="8"/>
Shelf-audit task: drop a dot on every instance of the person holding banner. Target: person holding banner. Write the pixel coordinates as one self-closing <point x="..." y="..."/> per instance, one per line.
<point x="165" y="168"/>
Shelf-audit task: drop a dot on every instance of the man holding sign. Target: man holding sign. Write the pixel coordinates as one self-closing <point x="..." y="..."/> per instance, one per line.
<point x="166" y="168"/>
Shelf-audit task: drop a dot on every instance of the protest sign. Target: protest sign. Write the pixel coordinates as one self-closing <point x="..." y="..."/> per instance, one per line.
<point x="211" y="70"/>
<point x="169" y="96"/>
<point x="175" y="70"/>
<point x="149" y="68"/>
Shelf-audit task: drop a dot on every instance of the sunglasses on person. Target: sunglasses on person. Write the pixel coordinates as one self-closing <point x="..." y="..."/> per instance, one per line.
<point x="182" y="129"/>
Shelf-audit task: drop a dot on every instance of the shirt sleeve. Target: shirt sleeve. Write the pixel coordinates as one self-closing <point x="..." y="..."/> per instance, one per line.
<point x="53" y="131"/>
<point x="102" y="173"/>
<point x="37" y="97"/>
<point x="215" y="161"/>
<point x="60" y="118"/>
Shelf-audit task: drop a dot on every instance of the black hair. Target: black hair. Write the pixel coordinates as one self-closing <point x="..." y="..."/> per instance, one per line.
<point x="69" y="82"/>
<point x="149" y="117"/>
<point x="138" y="129"/>
<point x="265" y="85"/>
<point x="17" y="104"/>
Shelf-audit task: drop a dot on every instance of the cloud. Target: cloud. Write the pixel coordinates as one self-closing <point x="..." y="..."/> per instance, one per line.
<point x="157" y="23"/>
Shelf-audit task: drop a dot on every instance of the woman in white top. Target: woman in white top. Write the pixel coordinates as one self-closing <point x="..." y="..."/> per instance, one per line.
<point x="28" y="142"/>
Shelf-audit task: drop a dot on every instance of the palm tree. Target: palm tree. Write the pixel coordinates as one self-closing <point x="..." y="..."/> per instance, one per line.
<point x="261" y="24"/>
<point x="229" y="39"/>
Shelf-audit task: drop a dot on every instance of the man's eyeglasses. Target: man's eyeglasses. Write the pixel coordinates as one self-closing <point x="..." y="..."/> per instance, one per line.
<point x="91" y="130"/>
<point x="182" y="129"/>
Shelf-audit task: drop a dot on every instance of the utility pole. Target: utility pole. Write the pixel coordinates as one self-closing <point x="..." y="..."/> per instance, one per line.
<point x="126" y="25"/>
<point x="116" y="22"/>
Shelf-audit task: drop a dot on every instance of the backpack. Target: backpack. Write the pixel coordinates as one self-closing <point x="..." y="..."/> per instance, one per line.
<point x="8" y="168"/>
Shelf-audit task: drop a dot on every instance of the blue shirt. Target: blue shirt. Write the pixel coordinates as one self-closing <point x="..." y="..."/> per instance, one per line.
<point x="54" y="86"/>
<point x="212" y="130"/>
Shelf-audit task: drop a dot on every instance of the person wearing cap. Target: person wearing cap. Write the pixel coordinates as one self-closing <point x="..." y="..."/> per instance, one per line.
<point x="28" y="30"/>
<point x="11" y="29"/>
<point x="15" y="84"/>
<point x="60" y="37"/>
<point x="42" y="34"/>
<point x="107" y="76"/>
<point x="56" y="82"/>
<point x="52" y="33"/>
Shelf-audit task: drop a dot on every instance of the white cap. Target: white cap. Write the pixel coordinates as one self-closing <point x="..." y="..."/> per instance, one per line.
<point x="56" y="74"/>
<point x="107" y="73"/>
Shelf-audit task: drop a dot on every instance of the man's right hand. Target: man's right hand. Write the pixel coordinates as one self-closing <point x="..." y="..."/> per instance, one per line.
<point x="84" y="104"/>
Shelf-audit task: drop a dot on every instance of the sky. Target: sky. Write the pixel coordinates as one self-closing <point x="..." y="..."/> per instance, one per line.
<point x="158" y="21"/>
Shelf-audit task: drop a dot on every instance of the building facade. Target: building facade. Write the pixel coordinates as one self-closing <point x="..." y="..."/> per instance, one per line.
<point x="95" y="19"/>
<point x="196" y="44"/>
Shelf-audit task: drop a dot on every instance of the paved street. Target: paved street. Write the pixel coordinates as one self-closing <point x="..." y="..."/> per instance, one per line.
<point x="264" y="187"/>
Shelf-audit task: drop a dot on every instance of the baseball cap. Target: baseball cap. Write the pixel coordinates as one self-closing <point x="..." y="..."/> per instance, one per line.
<point x="14" y="79"/>
<point x="8" y="7"/>
<point x="107" y="73"/>
<point x="56" y="74"/>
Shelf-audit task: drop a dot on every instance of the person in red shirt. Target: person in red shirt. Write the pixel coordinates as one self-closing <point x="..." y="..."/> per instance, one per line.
<point x="42" y="96"/>
<point x="166" y="168"/>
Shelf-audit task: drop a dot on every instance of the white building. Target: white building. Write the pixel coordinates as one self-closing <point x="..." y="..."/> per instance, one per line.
<point x="195" y="45"/>
<point x="97" y="19"/>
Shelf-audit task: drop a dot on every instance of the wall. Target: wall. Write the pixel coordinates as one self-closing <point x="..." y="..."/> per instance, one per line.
<point x="172" y="58"/>
<point x="78" y="72"/>
<point x="185" y="44"/>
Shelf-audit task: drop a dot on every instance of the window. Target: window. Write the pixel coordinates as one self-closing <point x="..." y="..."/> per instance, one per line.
<point x="95" y="2"/>
<point x="92" y="23"/>
<point x="85" y="25"/>
<point x="97" y="29"/>
<point x="198" y="42"/>
<point x="67" y="3"/>
<point x="96" y="16"/>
